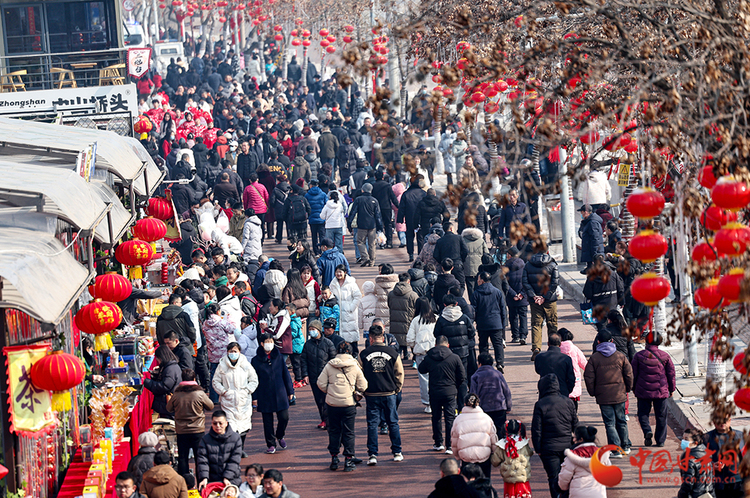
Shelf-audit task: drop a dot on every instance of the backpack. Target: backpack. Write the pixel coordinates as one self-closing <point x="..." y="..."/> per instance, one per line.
<point x="280" y="199"/>
<point x="257" y="305"/>
<point x="298" y="211"/>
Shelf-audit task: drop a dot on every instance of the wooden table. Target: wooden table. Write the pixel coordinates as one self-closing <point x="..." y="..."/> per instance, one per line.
<point x="83" y="66"/>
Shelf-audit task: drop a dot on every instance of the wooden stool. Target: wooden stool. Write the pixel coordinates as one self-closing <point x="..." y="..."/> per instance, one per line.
<point x="65" y="77"/>
<point x="13" y="81"/>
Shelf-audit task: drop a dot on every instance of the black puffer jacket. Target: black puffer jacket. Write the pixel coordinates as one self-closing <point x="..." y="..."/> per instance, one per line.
<point x="166" y="380"/>
<point x="428" y="208"/>
<point x="471" y="205"/>
<point x="219" y="457"/>
<point x="623" y="343"/>
<point x="553" y="361"/>
<point x="452" y="246"/>
<point x="367" y="211"/>
<point x="554" y="418"/>
<point x="316" y="353"/>
<point x="446" y="371"/>
<point x="697" y="479"/>
<point x="140" y="463"/>
<point x="407" y="207"/>
<point x="515" y="282"/>
<point x="174" y="318"/>
<point x="489" y="303"/>
<point x="444" y="282"/>
<point x="539" y="269"/>
<point x="418" y="282"/>
<point x="592" y="239"/>
<point x="459" y="330"/>
<point x="605" y="289"/>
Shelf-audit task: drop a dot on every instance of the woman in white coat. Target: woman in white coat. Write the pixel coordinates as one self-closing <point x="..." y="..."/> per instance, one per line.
<point x="421" y="339"/>
<point x="230" y="305"/>
<point x="252" y="235"/>
<point x="235" y="381"/>
<point x="384" y="284"/>
<point x="334" y="214"/>
<point x="575" y="473"/>
<point x="346" y="290"/>
<point x="473" y="435"/>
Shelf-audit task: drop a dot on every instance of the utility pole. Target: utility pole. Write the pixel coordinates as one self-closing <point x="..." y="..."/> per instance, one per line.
<point x="567" y="210"/>
<point x="156" y="21"/>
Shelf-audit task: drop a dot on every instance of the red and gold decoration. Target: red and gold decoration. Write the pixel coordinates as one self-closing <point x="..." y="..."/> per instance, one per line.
<point x="650" y="288"/>
<point x="29" y="406"/>
<point x="112" y="287"/>
<point x="708" y="296"/>
<point x="742" y="399"/>
<point x="134" y="253"/>
<point x="58" y="372"/>
<point x="703" y="252"/>
<point x="149" y="229"/>
<point x="142" y="127"/>
<point x="648" y="246"/>
<point x="645" y="203"/>
<point x="99" y="318"/>
<point x="729" y="284"/>
<point x="714" y="217"/>
<point x="160" y="208"/>
<point x="733" y="240"/>
<point x="731" y="194"/>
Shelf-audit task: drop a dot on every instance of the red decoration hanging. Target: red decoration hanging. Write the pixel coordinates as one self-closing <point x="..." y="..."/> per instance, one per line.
<point x="739" y="363"/>
<point x="708" y="296"/>
<point x="306" y="43"/>
<point x="324" y="32"/>
<point x="143" y="125"/>
<point x="277" y="28"/>
<point x="330" y="49"/>
<point x="99" y="318"/>
<point x="742" y="399"/>
<point x="730" y="194"/>
<point x="347" y="39"/>
<point x="278" y="37"/>
<point x="149" y="229"/>
<point x="645" y="203"/>
<point x="714" y="217"/>
<point x="590" y="138"/>
<point x="648" y="246"/>
<point x="296" y="42"/>
<point x="733" y="240"/>
<point x="706" y="177"/>
<point x="58" y="372"/>
<point x="729" y="284"/>
<point x="703" y="252"/>
<point x="324" y="43"/>
<point x="349" y="28"/>
<point x="134" y="253"/>
<point x="650" y="288"/>
<point x="112" y="287"/>
<point x="159" y="207"/>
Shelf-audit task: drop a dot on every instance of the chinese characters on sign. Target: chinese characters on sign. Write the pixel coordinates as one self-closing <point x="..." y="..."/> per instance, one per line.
<point x="662" y="462"/>
<point x="102" y="99"/>
<point x="29" y="406"/>
<point x="139" y="60"/>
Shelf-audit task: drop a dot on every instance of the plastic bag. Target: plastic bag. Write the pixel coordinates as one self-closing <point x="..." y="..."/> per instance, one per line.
<point x="380" y="238"/>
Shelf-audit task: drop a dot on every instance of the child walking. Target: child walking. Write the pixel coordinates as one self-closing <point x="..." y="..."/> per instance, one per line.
<point x="513" y="455"/>
<point x="298" y="342"/>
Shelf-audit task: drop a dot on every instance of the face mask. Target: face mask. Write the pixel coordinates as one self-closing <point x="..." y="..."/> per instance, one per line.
<point x="684" y="444"/>
<point x="233" y="356"/>
<point x="314" y="333"/>
<point x="268" y="347"/>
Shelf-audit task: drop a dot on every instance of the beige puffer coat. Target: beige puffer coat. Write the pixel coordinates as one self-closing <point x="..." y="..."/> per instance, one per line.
<point x="339" y="379"/>
<point x="384" y="284"/>
<point x="473" y="435"/>
<point x="513" y="470"/>
<point x="474" y="239"/>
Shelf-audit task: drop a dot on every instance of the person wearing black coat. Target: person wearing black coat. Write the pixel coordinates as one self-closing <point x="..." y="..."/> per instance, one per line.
<point x="164" y="379"/>
<point x="296" y="213"/>
<point x="219" y="453"/>
<point x="225" y="191"/>
<point x="697" y="476"/>
<point x="459" y="329"/>
<point x="452" y="483"/>
<point x="407" y="213"/>
<point x="604" y="286"/>
<point x="183" y="197"/>
<point x="173" y="317"/>
<point x="418" y="282"/>
<point x="382" y="191"/>
<point x="369" y="218"/>
<point x="491" y="316"/>
<point x="516" y="297"/>
<point x="513" y="211"/>
<point x="554" y="361"/>
<point x="447" y="381"/>
<point x="453" y="246"/>
<point x="274" y="391"/>
<point x="185" y="245"/>
<point x="445" y="281"/>
<point x="316" y="353"/>
<point x="143" y="461"/>
<point x="616" y="325"/>
<point x="247" y="162"/>
<point x="554" y="421"/>
<point x="592" y="239"/>
<point x="235" y="179"/>
<point x="428" y="208"/>
<point x="469" y="206"/>
<point x="180" y="350"/>
<point x="540" y="280"/>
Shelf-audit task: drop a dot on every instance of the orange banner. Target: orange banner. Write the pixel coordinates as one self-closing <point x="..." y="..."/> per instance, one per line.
<point x="29" y="407"/>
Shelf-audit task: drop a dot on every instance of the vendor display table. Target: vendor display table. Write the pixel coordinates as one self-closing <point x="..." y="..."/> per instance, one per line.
<point x="78" y="470"/>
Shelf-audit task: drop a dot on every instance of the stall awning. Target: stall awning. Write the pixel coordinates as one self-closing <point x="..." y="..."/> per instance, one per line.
<point x="121" y="217"/>
<point x="124" y="157"/>
<point x="38" y="274"/>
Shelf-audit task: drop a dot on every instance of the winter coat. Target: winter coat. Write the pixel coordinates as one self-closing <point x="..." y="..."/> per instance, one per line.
<point x="473" y="435"/>
<point x="255" y="197"/>
<point x="382" y="191"/>
<point x="162" y="481"/>
<point x="260" y="276"/>
<point x="302" y="304"/>
<point x="418" y="282"/>
<point x="300" y="169"/>
<point x="280" y="327"/>
<point x="141" y="463"/>
<point x="252" y="235"/>
<point x="316" y="353"/>
<point x="163" y="383"/>
<point x="348" y="296"/>
<point x="248" y="341"/>
<point x="334" y="214"/>
<point x="476" y="245"/>
<point x="313" y="290"/>
<point x="459" y="330"/>
<point x="515" y="283"/>
<point x="384" y="284"/>
<point x="653" y="373"/>
<point x="513" y="470"/>
<point x="298" y="338"/>
<point x="420" y="337"/>
<point x="606" y="294"/>
<point x="511" y="213"/>
<point x="219" y="332"/>
<point x="274" y="381"/>
<point x="330" y="309"/>
<point x="278" y="199"/>
<point x="608" y="375"/>
<point x="490" y="385"/>
<point x="728" y="477"/>
<point x="554" y="418"/>
<point x="401" y="302"/>
<point x="367" y="307"/>
<point x="460" y="150"/>
<point x="219" y="457"/>
<point x="329" y="145"/>
<point x="426" y="255"/>
<point x="366" y="210"/>
<point x="327" y="263"/>
<point x="187" y="403"/>
<point x="444" y="283"/>
<point x="451" y="246"/>
<point x="541" y="268"/>
<point x="491" y="313"/>
<point x="697" y="478"/>
<point x="471" y="207"/>
<point x="592" y="241"/>
<point x="174" y="318"/>
<point x="398" y="191"/>
<point x="554" y="361"/>
<point x="340" y="378"/>
<point x="469" y="176"/>
<point x="428" y="208"/>
<point x="446" y="371"/>
<point x="596" y="188"/>
<point x="230" y="309"/>
<point x="579" y="364"/>
<point x="235" y="385"/>
<point x="317" y="200"/>
<point x="575" y="473"/>
<point x="623" y="344"/>
<point x="407" y="206"/>
<point x="449" y="160"/>
<point x="276" y="279"/>
<point x="453" y="486"/>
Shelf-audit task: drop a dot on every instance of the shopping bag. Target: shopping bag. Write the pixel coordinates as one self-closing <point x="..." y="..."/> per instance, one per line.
<point x="587" y="314"/>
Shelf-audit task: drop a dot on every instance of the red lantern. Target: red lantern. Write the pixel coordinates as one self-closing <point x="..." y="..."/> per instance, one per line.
<point x="306" y="33"/>
<point x="160" y="208"/>
<point x="709" y="297"/>
<point x="742" y="399"/>
<point x="730" y="194"/>
<point x="491" y="107"/>
<point x="143" y="125"/>
<point x="382" y="60"/>
<point x="648" y="246"/>
<point x="733" y="240"/>
<point x="331" y="38"/>
<point x="294" y="32"/>
<point x="240" y="6"/>
<point x="632" y="147"/>
<point x="112" y="287"/>
<point x="729" y="284"/>
<point x="176" y="3"/>
<point x="477" y="97"/>
<point x="162" y="6"/>
<point x="222" y="19"/>
<point x="706" y="177"/>
<point x="306" y="43"/>
<point x="324" y="43"/>
<point x="713" y="217"/>
<point x="650" y="288"/>
<point x="447" y="92"/>
<point x="298" y="22"/>
<point x="703" y="252"/>
<point x="501" y="86"/>
<point x="255" y="22"/>
<point x="134" y="253"/>
<point x="645" y="203"/>
<point x="59" y="373"/>
<point x="436" y="78"/>
<point x="99" y="318"/>
<point x="324" y="32"/>
<point x="349" y="28"/>
<point x="739" y="363"/>
<point x="463" y="45"/>
<point x="347" y="39"/>
<point x="149" y="229"/>
<point x="263" y="18"/>
<point x="590" y="138"/>
<point x="330" y="49"/>
<point x="296" y="42"/>
<point x="278" y="37"/>
<point x="277" y="28"/>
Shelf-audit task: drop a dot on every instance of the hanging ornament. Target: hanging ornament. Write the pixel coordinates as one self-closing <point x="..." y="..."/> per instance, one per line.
<point x="134" y="253"/>
<point x="645" y="203"/>
<point x="306" y="43"/>
<point x="590" y="138"/>
<point x="648" y="246"/>
<point x="650" y="288"/>
<point x="58" y="372"/>
<point x="714" y="217"/>
<point x="739" y="363"/>
<point x="709" y="297"/>
<point x="703" y="252"/>
<point x="349" y="28"/>
<point x="112" y="287"/>
<point x="729" y="284"/>
<point x="324" y="32"/>
<point x="149" y="229"/>
<point x="730" y="194"/>
<point x="160" y="208"/>
<point x="733" y="240"/>
<point x="296" y="42"/>
<point x="278" y="37"/>
<point x="277" y="28"/>
<point x="99" y="318"/>
<point x="706" y="177"/>
<point x="742" y="399"/>
<point x="324" y="43"/>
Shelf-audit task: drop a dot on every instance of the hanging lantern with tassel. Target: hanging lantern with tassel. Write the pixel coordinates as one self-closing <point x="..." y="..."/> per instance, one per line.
<point x="159" y="207"/>
<point x="99" y="318"/>
<point x="59" y="373"/>
<point x="112" y="287"/>
<point x="134" y="253"/>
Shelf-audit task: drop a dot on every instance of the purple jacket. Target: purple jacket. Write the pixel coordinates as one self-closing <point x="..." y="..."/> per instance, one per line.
<point x="653" y="374"/>
<point x="492" y="389"/>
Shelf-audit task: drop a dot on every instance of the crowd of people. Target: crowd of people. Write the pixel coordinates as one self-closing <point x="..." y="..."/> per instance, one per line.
<point x="242" y="332"/>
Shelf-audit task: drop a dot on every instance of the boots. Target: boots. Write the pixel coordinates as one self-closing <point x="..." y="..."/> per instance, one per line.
<point x="450" y="178"/>
<point x="334" y="462"/>
<point x="349" y="464"/>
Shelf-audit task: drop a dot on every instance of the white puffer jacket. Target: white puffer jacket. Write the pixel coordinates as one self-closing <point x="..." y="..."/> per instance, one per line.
<point x="473" y="435"/>
<point x="420" y="336"/>
<point x="252" y="233"/>
<point x="235" y="385"/>
<point x="383" y="285"/>
<point x="230" y="309"/>
<point x="348" y="295"/>
<point x="367" y="306"/>
<point x="277" y="280"/>
<point x="334" y="213"/>
<point x="575" y="473"/>
<point x="596" y="188"/>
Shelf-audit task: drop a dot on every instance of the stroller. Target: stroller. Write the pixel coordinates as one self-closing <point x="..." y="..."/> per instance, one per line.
<point x="165" y="429"/>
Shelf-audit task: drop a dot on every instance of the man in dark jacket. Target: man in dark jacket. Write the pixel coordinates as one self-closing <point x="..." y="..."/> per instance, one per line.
<point x="554" y="421"/>
<point x="445" y="281"/>
<point x="188" y="404"/>
<point x="447" y="380"/>
<point x="553" y="361"/>
<point x="316" y="353"/>
<point x="247" y="162"/>
<point x="428" y="208"/>
<point x="516" y="297"/>
<point x="317" y="200"/>
<point x="540" y="280"/>
<point x="329" y="146"/>
<point x="219" y="453"/>
<point x="329" y="260"/>
<point x="296" y="212"/>
<point x="493" y="391"/>
<point x="609" y="378"/>
<point x="382" y="191"/>
<point x="418" y="282"/>
<point x="722" y="441"/>
<point x="407" y="213"/>
<point x="225" y="190"/>
<point x="459" y="329"/>
<point x="513" y="211"/>
<point x="200" y="156"/>
<point x="489" y="310"/>
<point x="367" y="211"/>
<point x="592" y="239"/>
<point x="453" y="246"/>
<point x="604" y="287"/>
<point x="173" y="317"/>
<point x="452" y="484"/>
<point x="180" y="350"/>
